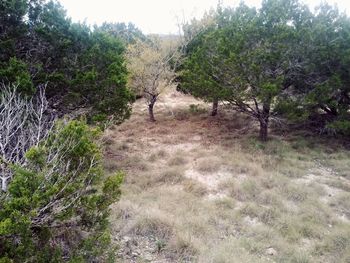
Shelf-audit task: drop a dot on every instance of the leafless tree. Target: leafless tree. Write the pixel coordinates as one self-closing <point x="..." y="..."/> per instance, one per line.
<point x="24" y="122"/>
<point x="151" y="69"/>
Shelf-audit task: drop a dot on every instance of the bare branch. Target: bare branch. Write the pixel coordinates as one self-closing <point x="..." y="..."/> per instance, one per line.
<point x="23" y="124"/>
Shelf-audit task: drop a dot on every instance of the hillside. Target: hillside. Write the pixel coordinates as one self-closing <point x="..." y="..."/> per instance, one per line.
<point x="204" y="189"/>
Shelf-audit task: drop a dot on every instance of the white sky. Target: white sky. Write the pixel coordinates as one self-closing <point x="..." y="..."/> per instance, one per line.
<point x="155" y="16"/>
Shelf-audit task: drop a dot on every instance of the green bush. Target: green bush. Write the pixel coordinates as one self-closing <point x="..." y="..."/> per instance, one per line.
<point x="340" y="126"/>
<point x="16" y="72"/>
<point x="57" y="205"/>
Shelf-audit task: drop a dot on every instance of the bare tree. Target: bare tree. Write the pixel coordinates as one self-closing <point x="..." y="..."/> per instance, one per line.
<point x="151" y="68"/>
<point x="24" y="123"/>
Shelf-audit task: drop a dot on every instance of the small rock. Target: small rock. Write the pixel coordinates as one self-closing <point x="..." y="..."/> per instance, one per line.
<point x="271" y="251"/>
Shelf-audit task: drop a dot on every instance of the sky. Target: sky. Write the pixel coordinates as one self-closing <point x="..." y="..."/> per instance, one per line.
<point x="156" y="16"/>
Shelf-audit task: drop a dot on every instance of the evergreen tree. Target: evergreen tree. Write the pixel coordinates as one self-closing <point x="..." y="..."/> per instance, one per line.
<point x="80" y="67"/>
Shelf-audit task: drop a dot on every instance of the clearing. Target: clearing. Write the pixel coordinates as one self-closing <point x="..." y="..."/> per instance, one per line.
<point x="204" y="189"/>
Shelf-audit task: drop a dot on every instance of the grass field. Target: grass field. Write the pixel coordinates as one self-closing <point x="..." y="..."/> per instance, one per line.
<point x="204" y="189"/>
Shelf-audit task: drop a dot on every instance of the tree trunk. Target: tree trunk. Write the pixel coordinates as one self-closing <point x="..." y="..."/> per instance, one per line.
<point x="214" y="111"/>
<point x="264" y="122"/>
<point x="263" y="130"/>
<point x="150" y="111"/>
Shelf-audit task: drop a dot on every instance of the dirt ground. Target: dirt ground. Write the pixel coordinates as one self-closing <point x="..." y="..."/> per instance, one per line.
<point x="203" y="189"/>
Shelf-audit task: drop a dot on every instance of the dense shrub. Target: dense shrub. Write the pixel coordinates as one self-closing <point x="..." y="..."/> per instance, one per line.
<point x="56" y="206"/>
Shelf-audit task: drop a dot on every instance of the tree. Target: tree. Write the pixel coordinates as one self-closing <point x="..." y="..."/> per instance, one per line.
<point x="259" y="50"/>
<point x="322" y="81"/>
<point x="100" y="79"/>
<point x="198" y="76"/>
<point x="12" y="26"/>
<point x="248" y="60"/>
<point x="150" y="68"/>
<point x="81" y="68"/>
<point x="56" y="207"/>
<point x="203" y="85"/>
<point x="128" y="33"/>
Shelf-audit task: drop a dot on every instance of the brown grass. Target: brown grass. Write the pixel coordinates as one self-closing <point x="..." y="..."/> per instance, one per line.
<point x="204" y="189"/>
<point x="177" y="160"/>
<point x="208" y="165"/>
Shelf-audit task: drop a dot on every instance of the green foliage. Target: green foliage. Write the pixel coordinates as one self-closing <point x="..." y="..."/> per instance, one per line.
<point x="198" y="76"/>
<point x="128" y="33"/>
<point x="281" y="59"/>
<point x="17" y="72"/>
<point x="291" y="109"/>
<point x="321" y="78"/>
<point x="57" y="205"/>
<point x="241" y="59"/>
<point x="341" y="126"/>
<point x="81" y="68"/>
<point x="105" y="79"/>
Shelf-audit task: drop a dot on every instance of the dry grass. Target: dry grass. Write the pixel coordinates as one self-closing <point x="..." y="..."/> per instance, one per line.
<point x="336" y="245"/>
<point x="171" y="176"/>
<point x="342" y="204"/>
<point x="159" y="155"/>
<point x="151" y="223"/>
<point x="194" y="187"/>
<point x="203" y="189"/>
<point x="208" y="165"/>
<point x="177" y="160"/>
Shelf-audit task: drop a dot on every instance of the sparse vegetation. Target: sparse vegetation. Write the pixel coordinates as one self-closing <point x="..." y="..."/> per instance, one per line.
<point x="220" y="199"/>
<point x="177" y="160"/>
<point x="83" y="182"/>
